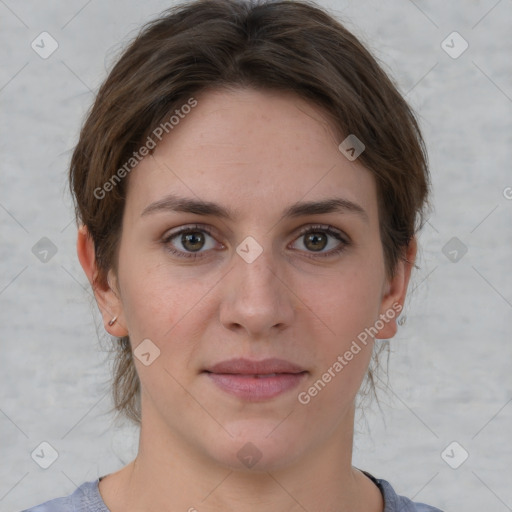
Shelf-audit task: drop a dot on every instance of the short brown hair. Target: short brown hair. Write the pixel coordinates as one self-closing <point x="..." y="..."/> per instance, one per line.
<point x="286" y="45"/>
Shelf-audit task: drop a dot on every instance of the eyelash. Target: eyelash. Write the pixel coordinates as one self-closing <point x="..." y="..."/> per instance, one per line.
<point x="318" y="228"/>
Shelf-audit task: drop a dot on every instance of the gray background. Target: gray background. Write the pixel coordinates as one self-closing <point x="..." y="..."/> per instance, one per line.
<point x="449" y="373"/>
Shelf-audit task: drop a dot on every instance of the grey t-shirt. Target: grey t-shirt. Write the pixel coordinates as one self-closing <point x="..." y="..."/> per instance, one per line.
<point x="87" y="498"/>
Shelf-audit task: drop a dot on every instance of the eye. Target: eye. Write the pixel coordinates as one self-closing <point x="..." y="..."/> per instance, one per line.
<point x="191" y="238"/>
<point x="315" y="239"/>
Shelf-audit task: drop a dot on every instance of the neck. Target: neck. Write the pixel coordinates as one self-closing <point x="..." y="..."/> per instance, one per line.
<point x="170" y="475"/>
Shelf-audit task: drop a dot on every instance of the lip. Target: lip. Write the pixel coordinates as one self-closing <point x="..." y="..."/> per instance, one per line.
<point x="243" y="366"/>
<point x="256" y="380"/>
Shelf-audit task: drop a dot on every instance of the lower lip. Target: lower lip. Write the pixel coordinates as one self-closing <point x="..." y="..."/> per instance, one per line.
<point x="256" y="389"/>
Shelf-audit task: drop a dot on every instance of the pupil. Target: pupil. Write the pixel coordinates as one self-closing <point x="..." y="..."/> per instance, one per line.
<point x="196" y="240"/>
<point x="189" y="237"/>
<point x="314" y="237"/>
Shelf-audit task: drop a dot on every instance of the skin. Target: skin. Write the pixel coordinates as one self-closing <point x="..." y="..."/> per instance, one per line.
<point x="255" y="152"/>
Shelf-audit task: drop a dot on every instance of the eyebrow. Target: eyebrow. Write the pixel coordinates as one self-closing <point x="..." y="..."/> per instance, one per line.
<point x="173" y="203"/>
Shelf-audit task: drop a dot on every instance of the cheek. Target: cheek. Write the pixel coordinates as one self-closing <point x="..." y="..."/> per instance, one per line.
<point x="342" y="346"/>
<point x="346" y="303"/>
<point x="147" y="298"/>
<point x="162" y="303"/>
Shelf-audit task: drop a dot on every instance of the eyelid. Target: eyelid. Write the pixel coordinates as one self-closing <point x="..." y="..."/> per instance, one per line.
<point x="326" y="228"/>
<point x="211" y="230"/>
<point x="188" y="227"/>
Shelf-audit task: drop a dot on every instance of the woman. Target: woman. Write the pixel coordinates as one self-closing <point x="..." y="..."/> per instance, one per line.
<point x="248" y="188"/>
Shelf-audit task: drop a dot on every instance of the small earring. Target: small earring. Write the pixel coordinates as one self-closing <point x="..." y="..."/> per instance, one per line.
<point x="402" y="320"/>
<point x="113" y="321"/>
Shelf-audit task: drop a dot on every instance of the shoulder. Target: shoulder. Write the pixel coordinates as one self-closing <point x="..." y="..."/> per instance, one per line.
<point x="86" y="498"/>
<point x="395" y="503"/>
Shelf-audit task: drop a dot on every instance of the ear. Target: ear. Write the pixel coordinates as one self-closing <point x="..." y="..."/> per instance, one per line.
<point x="394" y="292"/>
<point x="108" y="300"/>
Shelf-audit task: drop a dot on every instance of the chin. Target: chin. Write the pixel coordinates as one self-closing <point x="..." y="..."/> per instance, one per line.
<point x="258" y="447"/>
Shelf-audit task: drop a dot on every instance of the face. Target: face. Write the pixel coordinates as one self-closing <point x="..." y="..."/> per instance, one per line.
<point x="261" y="284"/>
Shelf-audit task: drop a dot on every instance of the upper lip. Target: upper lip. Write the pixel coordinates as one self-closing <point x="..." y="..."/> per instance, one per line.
<point x="249" y="367"/>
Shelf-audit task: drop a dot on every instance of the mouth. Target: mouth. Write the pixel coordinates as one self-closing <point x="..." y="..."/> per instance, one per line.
<point x="255" y="381"/>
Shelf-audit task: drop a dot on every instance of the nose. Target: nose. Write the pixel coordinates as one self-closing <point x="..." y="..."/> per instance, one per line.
<point x="257" y="297"/>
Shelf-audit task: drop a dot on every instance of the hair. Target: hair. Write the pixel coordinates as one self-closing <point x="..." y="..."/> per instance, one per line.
<point x="284" y="45"/>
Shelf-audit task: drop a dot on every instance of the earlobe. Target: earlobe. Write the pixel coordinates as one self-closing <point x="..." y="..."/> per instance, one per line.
<point x="108" y="302"/>
<point x="396" y="290"/>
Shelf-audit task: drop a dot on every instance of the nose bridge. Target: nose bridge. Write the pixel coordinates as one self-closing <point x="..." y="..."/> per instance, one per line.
<point x="256" y="264"/>
<point x="256" y="268"/>
<point x="255" y="296"/>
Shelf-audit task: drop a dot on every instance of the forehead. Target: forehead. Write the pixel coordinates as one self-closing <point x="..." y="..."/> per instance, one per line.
<point x="255" y="152"/>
